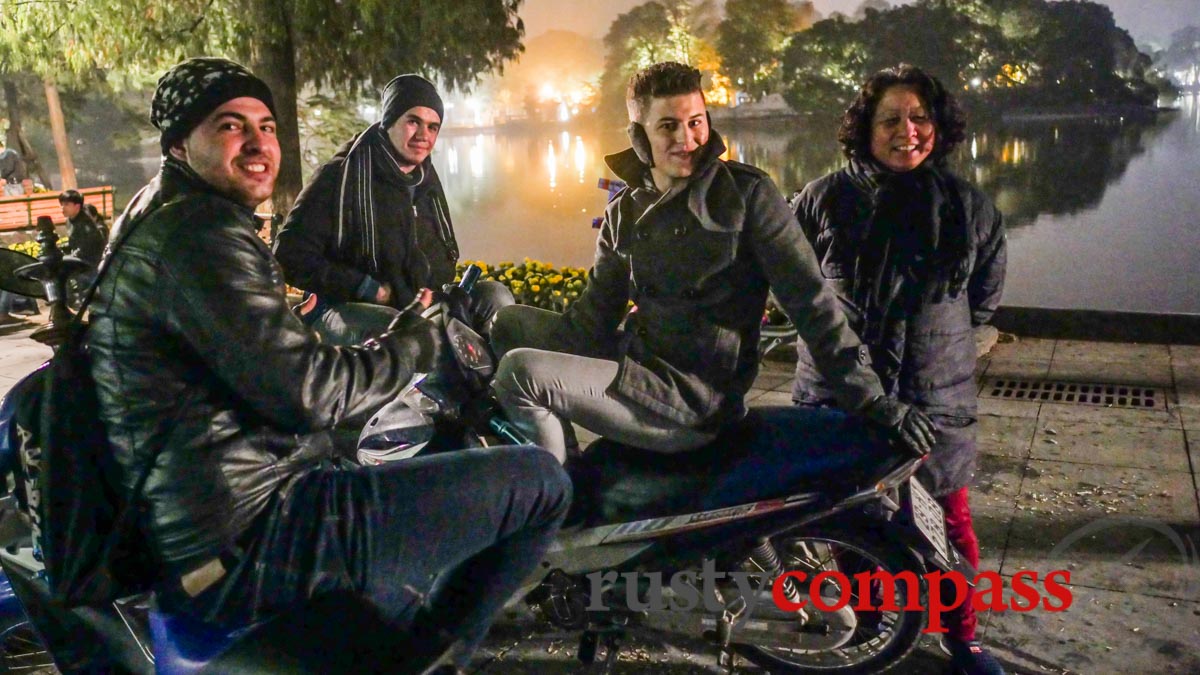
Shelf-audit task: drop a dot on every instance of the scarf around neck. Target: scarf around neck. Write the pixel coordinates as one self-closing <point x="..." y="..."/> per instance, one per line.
<point x="371" y="151"/>
<point x="916" y="247"/>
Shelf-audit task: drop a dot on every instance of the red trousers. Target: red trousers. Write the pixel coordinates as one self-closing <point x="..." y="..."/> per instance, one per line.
<point x="961" y="532"/>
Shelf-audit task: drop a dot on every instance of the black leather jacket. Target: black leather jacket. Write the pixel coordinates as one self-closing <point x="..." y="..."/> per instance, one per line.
<point x="207" y="378"/>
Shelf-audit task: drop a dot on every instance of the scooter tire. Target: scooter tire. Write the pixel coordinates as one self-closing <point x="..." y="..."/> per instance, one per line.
<point x="21" y="651"/>
<point x="905" y="631"/>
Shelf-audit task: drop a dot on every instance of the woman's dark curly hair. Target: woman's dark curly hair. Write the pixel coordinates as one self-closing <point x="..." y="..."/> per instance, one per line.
<point x="948" y="117"/>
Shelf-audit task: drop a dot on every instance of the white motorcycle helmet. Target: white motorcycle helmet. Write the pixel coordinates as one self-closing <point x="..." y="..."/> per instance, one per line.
<point x="399" y="430"/>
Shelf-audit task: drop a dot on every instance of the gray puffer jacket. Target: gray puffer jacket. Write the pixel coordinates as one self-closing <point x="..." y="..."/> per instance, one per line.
<point x="937" y="366"/>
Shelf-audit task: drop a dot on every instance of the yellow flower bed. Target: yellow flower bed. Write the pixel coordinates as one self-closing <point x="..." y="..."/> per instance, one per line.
<point x="32" y="248"/>
<point x="540" y="284"/>
<point x="535" y="283"/>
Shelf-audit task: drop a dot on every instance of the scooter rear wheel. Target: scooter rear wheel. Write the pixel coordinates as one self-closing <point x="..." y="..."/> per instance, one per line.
<point x="21" y="651"/>
<point x="880" y="639"/>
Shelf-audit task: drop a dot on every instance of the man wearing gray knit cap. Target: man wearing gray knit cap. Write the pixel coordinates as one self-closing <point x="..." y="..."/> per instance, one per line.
<point x="373" y="226"/>
<point x="217" y="403"/>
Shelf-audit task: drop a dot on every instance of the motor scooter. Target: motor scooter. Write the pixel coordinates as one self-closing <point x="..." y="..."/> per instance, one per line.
<point x="780" y="542"/>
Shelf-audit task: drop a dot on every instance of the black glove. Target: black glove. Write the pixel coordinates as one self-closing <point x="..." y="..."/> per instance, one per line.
<point x="458" y="301"/>
<point x="909" y="427"/>
<point x="410" y="325"/>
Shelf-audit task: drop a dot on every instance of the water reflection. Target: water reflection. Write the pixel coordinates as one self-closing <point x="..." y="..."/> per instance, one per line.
<point x="1034" y="168"/>
<point x="534" y="194"/>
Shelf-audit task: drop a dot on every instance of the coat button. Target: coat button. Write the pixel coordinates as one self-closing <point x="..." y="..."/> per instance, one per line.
<point x="642" y="331"/>
<point x="691" y="294"/>
<point x="680" y="230"/>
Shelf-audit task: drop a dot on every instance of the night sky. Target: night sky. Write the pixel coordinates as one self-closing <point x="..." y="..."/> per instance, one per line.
<point x="1146" y="20"/>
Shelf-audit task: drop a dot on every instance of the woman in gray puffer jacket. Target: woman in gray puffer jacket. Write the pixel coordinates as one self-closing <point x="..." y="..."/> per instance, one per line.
<point x="917" y="256"/>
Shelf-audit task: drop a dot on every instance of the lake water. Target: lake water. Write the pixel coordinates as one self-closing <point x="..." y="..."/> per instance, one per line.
<point x="1101" y="213"/>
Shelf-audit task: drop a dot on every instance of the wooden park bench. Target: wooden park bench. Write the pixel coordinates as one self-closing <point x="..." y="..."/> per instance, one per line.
<point x="21" y="213"/>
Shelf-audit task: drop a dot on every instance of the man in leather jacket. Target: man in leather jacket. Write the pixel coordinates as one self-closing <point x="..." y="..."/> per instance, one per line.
<point x="218" y="398"/>
<point x="695" y="242"/>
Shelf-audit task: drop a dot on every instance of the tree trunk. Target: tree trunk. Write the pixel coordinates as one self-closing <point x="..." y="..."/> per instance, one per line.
<point x="58" y="128"/>
<point x="273" y="58"/>
<point x="16" y="134"/>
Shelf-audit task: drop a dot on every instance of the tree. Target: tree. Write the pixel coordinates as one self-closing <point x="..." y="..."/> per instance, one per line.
<point x="345" y="47"/>
<point x="15" y="136"/>
<point x="674" y="30"/>
<point x="1007" y="51"/>
<point x="1181" y="58"/>
<point x="751" y="39"/>
<point x="822" y="67"/>
<point x="860" y="12"/>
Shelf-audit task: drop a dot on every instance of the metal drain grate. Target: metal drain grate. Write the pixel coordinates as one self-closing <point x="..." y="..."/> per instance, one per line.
<point x="1087" y="393"/>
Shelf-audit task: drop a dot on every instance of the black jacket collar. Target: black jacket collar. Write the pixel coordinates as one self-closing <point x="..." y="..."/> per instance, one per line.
<point x="634" y="172"/>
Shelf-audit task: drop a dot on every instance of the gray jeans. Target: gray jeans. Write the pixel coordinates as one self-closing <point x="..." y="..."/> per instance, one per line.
<point x="350" y="323"/>
<point x="541" y="386"/>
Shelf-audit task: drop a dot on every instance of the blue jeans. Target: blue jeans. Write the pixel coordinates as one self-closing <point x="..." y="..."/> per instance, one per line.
<point x="434" y="545"/>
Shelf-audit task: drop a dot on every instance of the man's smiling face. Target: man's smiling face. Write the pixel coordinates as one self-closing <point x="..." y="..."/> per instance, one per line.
<point x="235" y="150"/>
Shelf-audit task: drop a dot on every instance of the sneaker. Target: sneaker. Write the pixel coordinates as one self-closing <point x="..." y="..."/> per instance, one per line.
<point x="970" y="658"/>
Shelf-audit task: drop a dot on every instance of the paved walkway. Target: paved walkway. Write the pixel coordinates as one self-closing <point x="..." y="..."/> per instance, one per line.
<point x="1108" y="493"/>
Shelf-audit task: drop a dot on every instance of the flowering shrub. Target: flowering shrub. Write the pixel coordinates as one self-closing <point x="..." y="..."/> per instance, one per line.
<point x="535" y="283"/>
<point x="32" y="248"/>
<point x="543" y="285"/>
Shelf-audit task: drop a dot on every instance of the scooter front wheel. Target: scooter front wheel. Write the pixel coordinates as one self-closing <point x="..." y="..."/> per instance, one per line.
<point x="855" y="640"/>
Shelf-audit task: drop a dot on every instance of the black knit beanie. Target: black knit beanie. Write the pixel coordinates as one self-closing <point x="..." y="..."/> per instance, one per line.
<point x="406" y="92"/>
<point x="190" y="91"/>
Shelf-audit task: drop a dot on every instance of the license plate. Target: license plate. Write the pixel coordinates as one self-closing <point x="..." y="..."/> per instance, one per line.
<point x="928" y="516"/>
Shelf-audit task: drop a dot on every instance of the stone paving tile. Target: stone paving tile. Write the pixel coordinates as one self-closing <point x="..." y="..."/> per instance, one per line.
<point x="1008" y="436"/>
<point x="778" y="363"/>
<point x="1030" y="349"/>
<point x="1117" y="528"/>
<point x="526" y="645"/>
<point x="773" y="398"/>
<point x="1187" y="385"/>
<point x="1016" y="368"/>
<point x="754" y="393"/>
<point x="1067" y="412"/>
<point x="1089" y="442"/>
<point x="1152" y="373"/>
<point x="774" y="380"/>
<point x="1185" y="355"/>
<point x="1008" y="408"/>
<point x="1189" y="416"/>
<point x="1101" y="632"/>
<point x="1080" y="350"/>
<point x="993" y="499"/>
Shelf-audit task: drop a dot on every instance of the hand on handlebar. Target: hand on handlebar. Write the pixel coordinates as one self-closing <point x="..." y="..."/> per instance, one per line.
<point x="409" y="324"/>
<point x="383" y="296"/>
<point x="909" y="427"/>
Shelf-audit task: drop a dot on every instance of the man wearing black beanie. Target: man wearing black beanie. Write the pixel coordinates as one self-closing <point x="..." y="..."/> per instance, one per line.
<point x="217" y="403"/>
<point x="373" y="225"/>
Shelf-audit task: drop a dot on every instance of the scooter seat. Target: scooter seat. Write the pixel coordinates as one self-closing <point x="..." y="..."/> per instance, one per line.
<point x="773" y="452"/>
